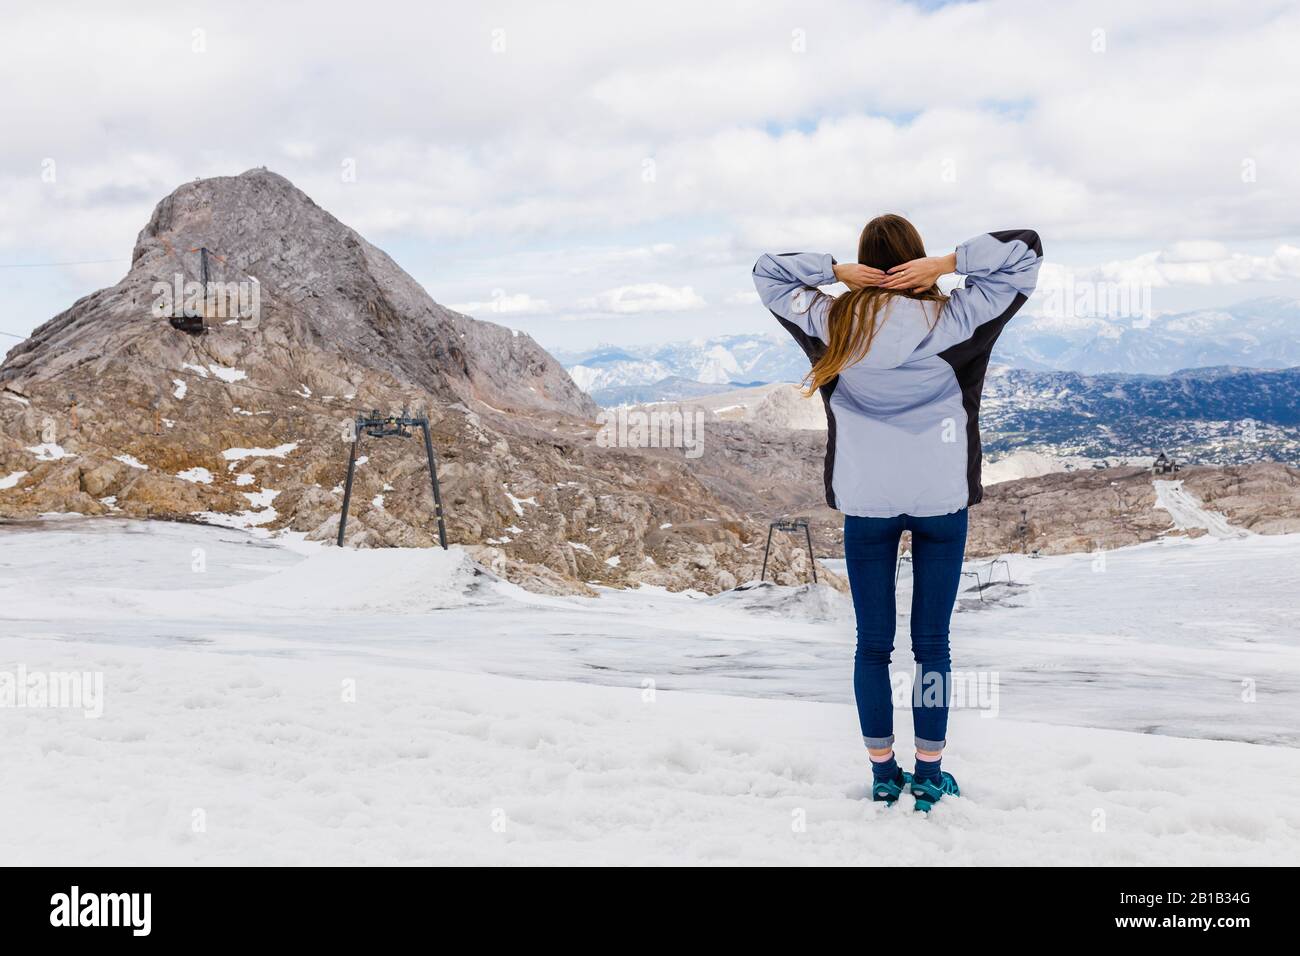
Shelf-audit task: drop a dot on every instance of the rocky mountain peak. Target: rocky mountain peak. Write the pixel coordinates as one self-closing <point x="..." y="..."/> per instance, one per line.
<point x="320" y="287"/>
<point x="108" y="409"/>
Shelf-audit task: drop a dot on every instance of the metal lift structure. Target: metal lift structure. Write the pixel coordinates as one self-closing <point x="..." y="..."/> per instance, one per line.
<point x="182" y="320"/>
<point x="905" y="557"/>
<point x="375" y="425"/>
<point x="793" y="526"/>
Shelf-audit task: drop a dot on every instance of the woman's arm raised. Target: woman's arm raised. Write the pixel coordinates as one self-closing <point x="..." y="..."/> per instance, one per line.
<point x="1001" y="270"/>
<point x="788" y="285"/>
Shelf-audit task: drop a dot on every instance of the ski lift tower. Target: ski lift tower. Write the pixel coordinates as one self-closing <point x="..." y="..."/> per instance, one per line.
<point x="182" y="320"/>
<point x="793" y="526"/>
<point x="392" y="426"/>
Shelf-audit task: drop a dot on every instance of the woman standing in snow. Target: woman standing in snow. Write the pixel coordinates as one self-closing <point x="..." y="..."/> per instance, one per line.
<point x="900" y="367"/>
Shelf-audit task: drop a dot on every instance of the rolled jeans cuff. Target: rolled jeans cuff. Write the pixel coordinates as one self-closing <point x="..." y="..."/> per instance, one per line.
<point x="878" y="743"/>
<point x="930" y="745"/>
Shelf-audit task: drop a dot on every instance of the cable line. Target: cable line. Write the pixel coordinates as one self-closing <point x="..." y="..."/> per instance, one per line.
<point x="42" y="265"/>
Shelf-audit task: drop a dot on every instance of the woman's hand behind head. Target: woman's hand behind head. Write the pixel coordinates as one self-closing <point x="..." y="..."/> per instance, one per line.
<point x="919" y="274"/>
<point x="857" y="276"/>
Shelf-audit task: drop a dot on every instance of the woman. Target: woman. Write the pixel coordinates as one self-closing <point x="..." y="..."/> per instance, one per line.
<point x="900" y="367"/>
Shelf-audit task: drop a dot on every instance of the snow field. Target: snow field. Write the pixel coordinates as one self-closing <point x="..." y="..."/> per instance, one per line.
<point x="432" y="767"/>
<point x="313" y="705"/>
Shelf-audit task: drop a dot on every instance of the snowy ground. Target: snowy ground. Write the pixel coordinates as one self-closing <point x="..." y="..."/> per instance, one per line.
<point x="230" y="662"/>
<point x="1186" y="511"/>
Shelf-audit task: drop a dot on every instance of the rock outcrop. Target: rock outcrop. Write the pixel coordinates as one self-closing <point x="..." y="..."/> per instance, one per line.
<point x="1114" y="507"/>
<point x="108" y="409"/>
<point x="1263" y="498"/>
<point x="1105" y="508"/>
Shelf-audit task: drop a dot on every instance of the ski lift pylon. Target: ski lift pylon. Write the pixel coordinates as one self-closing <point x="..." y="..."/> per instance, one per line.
<point x="375" y="425"/>
<point x="791" y="525"/>
<point x="183" y="319"/>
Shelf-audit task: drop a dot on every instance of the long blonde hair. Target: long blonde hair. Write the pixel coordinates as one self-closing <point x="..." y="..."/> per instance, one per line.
<point x="855" y="317"/>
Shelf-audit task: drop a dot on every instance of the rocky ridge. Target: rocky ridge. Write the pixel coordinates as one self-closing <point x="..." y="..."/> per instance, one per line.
<point x="107" y="409"/>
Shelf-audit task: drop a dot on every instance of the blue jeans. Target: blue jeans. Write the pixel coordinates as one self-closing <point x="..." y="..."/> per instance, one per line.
<point x="871" y="553"/>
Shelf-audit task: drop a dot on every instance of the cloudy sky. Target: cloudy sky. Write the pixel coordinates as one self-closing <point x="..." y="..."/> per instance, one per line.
<point x="602" y="172"/>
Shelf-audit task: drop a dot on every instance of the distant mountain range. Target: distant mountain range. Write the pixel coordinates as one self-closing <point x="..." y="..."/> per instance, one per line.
<point x="1223" y="415"/>
<point x="1261" y="333"/>
<point x="674" y="388"/>
<point x="723" y="362"/>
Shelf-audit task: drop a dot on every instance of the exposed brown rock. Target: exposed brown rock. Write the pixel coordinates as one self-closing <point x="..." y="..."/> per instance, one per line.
<point x="342" y="330"/>
<point x="1263" y="498"/>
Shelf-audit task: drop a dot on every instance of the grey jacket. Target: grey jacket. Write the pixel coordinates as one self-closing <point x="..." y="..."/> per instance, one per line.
<point x="904" y="421"/>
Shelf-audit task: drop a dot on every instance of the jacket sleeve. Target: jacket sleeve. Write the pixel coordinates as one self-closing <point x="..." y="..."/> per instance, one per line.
<point x="1001" y="270"/>
<point x="787" y="285"/>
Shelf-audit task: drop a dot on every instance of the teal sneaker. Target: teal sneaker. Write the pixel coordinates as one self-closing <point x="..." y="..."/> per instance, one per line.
<point x="928" y="793"/>
<point x="888" y="791"/>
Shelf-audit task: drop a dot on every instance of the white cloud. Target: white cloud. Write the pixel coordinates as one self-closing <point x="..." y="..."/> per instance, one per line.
<point x="644" y="297"/>
<point x="1012" y="95"/>
<point x="967" y="118"/>
<point x="1195" y="250"/>
<point x="1196" y="263"/>
<point x="520" y="303"/>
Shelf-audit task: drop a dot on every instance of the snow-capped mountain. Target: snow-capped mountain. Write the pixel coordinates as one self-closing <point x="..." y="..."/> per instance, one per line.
<point x="610" y="367"/>
<point x="726" y="360"/>
<point x="1260" y="333"/>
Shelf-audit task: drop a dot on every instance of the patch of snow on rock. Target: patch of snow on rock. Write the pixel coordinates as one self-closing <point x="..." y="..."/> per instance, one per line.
<point x="518" y="503"/>
<point x="1188" y="512"/>
<point x="47" y="451"/>
<point x="199" y="476"/>
<point x="233" y="455"/>
<point x="260" y="499"/>
<point x="228" y="374"/>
